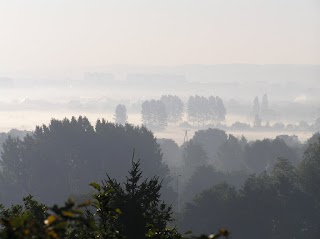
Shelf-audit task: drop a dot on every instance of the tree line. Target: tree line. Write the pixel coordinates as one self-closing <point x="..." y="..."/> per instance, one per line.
<point x="200" y="110"/>
<point x="129" y="211"/>
<point x="68" y="153"/>
<point x="220" y="172"/>
<point x="281" y="204"/>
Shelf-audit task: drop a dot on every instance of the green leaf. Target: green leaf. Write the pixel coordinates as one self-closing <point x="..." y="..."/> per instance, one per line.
<point x="68" y="214"/>
<point x="95" y="185"/>
<point x="84" y="204"/>
<point x="50" y="220"/>
<point x="118" y="211"/>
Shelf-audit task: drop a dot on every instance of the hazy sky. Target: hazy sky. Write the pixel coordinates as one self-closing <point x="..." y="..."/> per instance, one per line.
<point x="43" y="34"/>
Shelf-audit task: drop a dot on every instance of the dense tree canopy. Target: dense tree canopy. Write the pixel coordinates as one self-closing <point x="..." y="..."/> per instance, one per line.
<point x="281" y="199"/>
<point x="118" y="211"/>
<point x="67" y="154"/>
<point x="283" y="203"/>
<point x="309" y="170"/>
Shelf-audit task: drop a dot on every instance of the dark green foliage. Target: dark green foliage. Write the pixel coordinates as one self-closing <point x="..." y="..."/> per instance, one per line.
<point x="222" y="198"/>
<point x="275" y="205"/>
<point x="35" y="220"/>
<point x="67" y="154"/>
<point x="230" y="155"/>
<point x="194" y="155"/>
<point x="134" y="210"/>
<point x="262" y="154"/>
<point x="309" y="170"/>
<point x="211" y="140"/>
<point x="35" y="210"/>
<point x="205" y="177"/>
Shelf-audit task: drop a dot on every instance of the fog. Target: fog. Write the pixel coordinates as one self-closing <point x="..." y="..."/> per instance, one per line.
<point x="211" y="107"/>
<point x="292" y="92"/>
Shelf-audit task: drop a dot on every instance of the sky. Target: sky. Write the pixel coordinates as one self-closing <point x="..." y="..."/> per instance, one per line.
<point x="50" y="34"/>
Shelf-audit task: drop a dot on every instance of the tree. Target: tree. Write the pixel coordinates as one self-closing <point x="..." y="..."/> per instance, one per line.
<point x="256" y="107"/>
<point x="230" y="155"/>
<point x="221" y="110"/>
<point x="309" y="170"/>
<point x="198" y="109"/>
<point x="316" y="124"/>
<point x="141" y="213"/>
<point x="268" y="206"/>
<point x="171" y="152"/>
<point x="264" y="104"/>
<point x="213" y="109"/>
<point x="295" y="205"/>
<point x="303" y="125"/>
<point x="314" y="139"/>
<point x="290" y="140"/>
<point x="120" y="116"/>
<point x="174" y="107"/>
<point x="203" y="178"/>
<point x="133" y="210"/>
<point x="203" y="110"/>
<point x="192" y="114"/>
<point x="261" y="155"/>
<point x="211" y="140"/>
<point x="154" y="114"/>
<point x="68" y="153"/>
<point x="194" y="155"/>
<point x="257" y="122"/>
<point x="240" y="126"/>
<point x="215" y="206"/>
<point x="279" y="126"/>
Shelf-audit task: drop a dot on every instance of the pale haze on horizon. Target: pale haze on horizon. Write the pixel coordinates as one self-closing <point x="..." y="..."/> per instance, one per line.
<point x="42" y="34"/>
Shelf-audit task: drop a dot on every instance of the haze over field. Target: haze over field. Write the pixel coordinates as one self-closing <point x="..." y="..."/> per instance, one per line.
<point x="292" y="92"/>
<point x="212" y="106"/>
<point x="101" y="53"/>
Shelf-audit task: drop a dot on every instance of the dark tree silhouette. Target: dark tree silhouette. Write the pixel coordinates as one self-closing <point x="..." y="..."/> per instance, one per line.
<point x="268" y="206"/>
<point x="309" y="170"/>
<point x="193" y="157"/>
<point x="261" y="155"/>
<point x="211" y="140"/>
<point x="141" y="211"/>
<point x="69" y="153"/>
